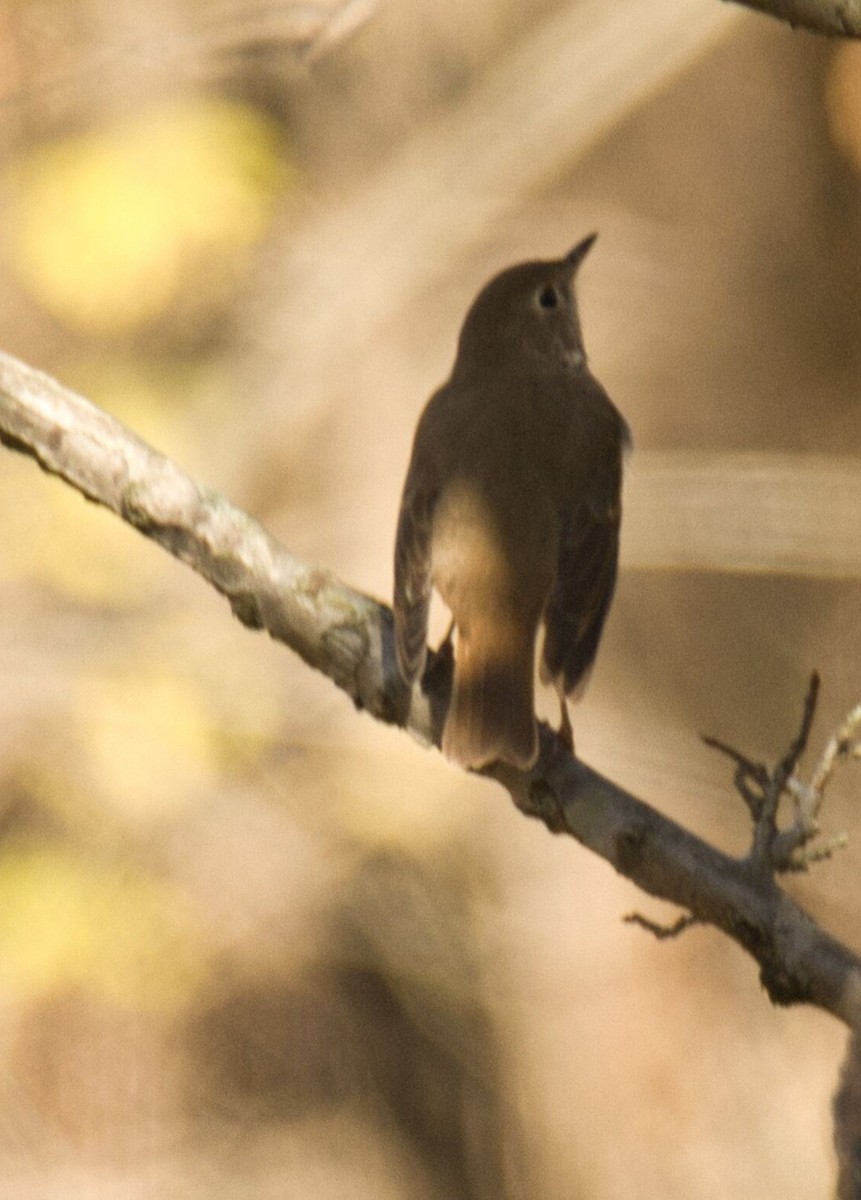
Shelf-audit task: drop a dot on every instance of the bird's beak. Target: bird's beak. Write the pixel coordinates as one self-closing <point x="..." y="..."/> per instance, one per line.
<point x="574" y="257"/>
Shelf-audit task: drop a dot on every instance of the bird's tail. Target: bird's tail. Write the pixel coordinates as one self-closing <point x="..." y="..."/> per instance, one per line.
<point x="491" y="716"/>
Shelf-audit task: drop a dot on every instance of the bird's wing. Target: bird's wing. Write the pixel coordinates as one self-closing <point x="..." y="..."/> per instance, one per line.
<point x="413" y="579"/>
<point x="581" y="596"/>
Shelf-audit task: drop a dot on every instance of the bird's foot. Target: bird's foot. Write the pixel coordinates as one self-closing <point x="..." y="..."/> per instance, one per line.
<point x="565" y="733"/>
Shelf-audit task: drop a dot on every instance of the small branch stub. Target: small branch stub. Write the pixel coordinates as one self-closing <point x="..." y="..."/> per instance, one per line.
<point x="662" y="932"/>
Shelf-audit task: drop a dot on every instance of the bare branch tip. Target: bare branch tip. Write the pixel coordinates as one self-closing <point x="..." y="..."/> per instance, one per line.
<point x="786" y="766"/>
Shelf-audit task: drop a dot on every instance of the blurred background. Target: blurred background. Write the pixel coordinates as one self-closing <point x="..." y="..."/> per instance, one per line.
<point x="252" y="943"/>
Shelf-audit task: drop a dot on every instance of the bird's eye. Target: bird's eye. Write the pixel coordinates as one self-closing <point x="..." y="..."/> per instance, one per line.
<point x="548" y="297"/>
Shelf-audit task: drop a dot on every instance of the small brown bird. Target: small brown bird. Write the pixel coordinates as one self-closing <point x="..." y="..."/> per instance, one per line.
<point x="511" y="508"/>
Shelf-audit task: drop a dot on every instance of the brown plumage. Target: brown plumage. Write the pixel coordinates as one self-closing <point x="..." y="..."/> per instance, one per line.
<point x="511" y="508"/>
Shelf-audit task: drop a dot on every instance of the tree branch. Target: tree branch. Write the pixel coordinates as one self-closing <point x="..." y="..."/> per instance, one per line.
<point x="348" y="636"/>
<point x="834" y="18"/>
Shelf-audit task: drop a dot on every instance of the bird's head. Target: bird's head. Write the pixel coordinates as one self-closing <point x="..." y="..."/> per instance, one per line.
<point x="526" y="313"/>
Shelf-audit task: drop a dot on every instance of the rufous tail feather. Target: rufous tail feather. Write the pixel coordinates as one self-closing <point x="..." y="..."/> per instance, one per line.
<point x="491" y="716"/>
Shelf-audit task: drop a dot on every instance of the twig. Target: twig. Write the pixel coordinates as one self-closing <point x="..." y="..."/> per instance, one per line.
<point x="844" y="744"/>
<point x="746" y="773"/>
<point x="662" y="932"/>
<point x="786" y="766"/>
<point x="769" y="849"/>
<point x="781" y="850"/>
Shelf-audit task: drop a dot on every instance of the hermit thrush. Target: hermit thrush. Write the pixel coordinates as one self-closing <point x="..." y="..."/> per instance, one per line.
<point x="511" y="508"/>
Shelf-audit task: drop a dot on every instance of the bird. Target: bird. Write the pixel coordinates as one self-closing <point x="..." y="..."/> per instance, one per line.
<point x="511" y="509"/>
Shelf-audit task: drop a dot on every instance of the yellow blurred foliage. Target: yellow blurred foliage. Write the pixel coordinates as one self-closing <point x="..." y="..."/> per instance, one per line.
<point x="147" y="396"/>
<point x="54" y="537"/>
<point x="843" y="100"/>
<point x="67" y="921"/>
<point x="108" y="229"/>
<point x="150" y="739"/>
